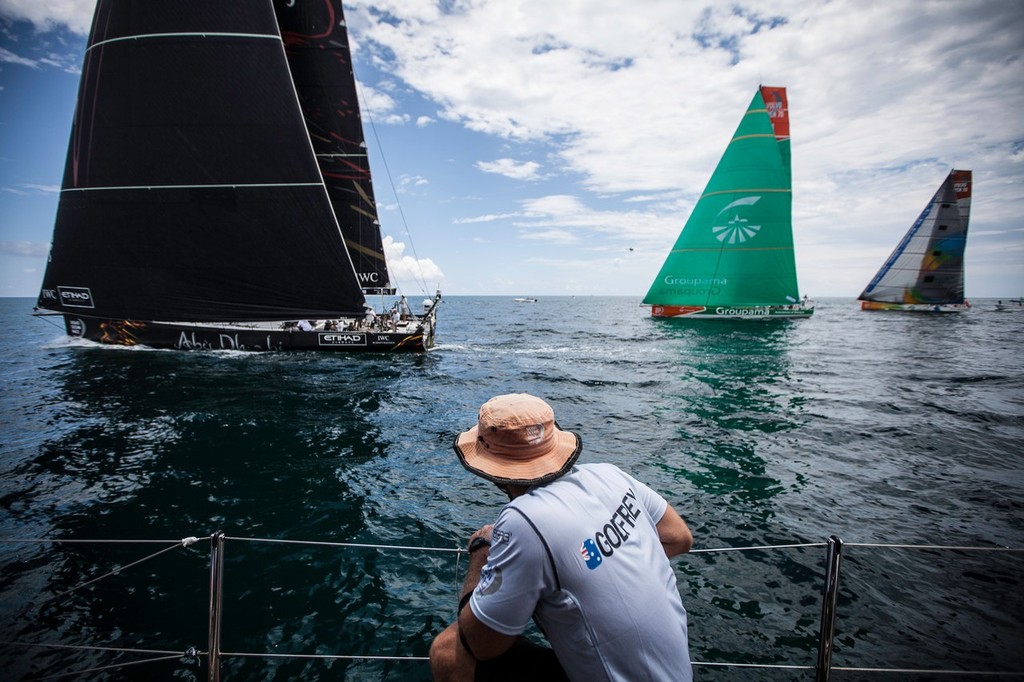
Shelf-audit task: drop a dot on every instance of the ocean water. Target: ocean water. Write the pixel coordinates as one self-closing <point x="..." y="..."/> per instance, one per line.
<point x="878" y="428"/>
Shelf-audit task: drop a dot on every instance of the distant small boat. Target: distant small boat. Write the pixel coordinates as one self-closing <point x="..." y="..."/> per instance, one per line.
<point x="925" y="273"/>
<point x="1011" y="306"/>
<point x="525" y="300"/>
<point x="734" y="258"/>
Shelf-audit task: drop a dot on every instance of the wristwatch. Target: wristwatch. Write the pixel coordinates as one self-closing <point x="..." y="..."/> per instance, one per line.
<point x="479" y="542"/>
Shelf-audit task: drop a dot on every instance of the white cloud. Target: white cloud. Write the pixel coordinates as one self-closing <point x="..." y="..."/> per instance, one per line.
<point x="567" y="219"/>
<point x="31" y="189"/>
<point x="75" y="14"/>
<point x="378" y="106"/>
<point x="24" y="248"/>
<point x="510" y="168"/>
<point x="489" y="218"/>
<point x="553" y="236"/>
<point x="408" y="272"/>
<point x="624" y="227"/>
<point x="8" y="57"/>
<point x="409" y="182"/>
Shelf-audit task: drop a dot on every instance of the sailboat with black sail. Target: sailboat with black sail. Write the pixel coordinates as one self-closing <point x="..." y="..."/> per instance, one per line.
<point x="217" y="192"/>
<point x="734" y="257"/>
<point x="925" y="272"/>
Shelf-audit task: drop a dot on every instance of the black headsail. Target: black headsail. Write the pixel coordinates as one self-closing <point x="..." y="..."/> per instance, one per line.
<point x="191" y="191"/>
<point x="316" y="41"/>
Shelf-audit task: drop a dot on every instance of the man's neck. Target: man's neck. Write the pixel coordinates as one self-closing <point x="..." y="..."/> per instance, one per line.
<point x="513" y="491"/>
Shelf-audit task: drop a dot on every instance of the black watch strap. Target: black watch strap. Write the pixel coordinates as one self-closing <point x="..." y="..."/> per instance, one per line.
<point x="478" y="543"/>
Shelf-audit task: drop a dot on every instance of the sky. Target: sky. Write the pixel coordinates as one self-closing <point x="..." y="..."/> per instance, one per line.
<point x="531" y="147"/>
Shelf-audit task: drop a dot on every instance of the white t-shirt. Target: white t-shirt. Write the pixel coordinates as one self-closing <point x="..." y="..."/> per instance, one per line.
<point x="581" y="556"/>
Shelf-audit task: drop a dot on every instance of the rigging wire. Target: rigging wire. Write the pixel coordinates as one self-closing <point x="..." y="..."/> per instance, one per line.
<point x="115" y="571"/>
<point x="401" y="212"/>
<point x="169" y="656"/>
<point x="48" y="317"/>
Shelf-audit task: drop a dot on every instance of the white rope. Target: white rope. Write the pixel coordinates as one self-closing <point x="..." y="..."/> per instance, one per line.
<point x="91" y="541"/>
<point x="753" y="665"/>
<point x="354" y="657"/>
<point x="923" y="671"/>
<point x="348" y="544"/>
<point x="946" y="547"/>
<point x="747" y="549"/>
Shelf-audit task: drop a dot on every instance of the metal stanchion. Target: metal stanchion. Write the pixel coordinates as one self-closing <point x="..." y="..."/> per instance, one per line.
<point x="216" y="583"/>
<point x="829" y="597"/>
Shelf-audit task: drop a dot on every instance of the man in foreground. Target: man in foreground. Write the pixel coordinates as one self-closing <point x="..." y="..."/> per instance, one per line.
<point x="582" y="549"/>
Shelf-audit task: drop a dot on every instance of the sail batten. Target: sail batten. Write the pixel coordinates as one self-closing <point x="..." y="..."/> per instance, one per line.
<point x="749" y="190"/>
<point x="207" y="186"/>
<point x="193" y="34"/>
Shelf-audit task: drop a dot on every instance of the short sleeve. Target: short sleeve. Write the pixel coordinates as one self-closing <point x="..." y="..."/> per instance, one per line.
<point x="654" y="503"/>
<point x="516" y="576"/>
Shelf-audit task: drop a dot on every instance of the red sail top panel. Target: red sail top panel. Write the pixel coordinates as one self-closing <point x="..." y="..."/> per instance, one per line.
<point x="962" y="184"/>
<point x="778" y="110"/>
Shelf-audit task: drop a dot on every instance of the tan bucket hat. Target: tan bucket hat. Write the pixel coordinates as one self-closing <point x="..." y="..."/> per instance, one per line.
<point x="516" y="441"/>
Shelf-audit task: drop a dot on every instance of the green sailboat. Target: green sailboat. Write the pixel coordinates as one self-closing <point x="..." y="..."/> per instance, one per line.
<point x="734" y="257"/>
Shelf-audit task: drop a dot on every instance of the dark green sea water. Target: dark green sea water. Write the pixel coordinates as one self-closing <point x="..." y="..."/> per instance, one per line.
<point x="875" y="427"/>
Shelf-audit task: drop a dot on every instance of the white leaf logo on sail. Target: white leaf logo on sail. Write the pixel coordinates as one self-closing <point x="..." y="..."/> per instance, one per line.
<point x="737" y="229"/>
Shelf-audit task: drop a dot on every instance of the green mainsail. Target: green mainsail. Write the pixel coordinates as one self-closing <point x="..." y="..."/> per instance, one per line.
<point x="736" y="249"/>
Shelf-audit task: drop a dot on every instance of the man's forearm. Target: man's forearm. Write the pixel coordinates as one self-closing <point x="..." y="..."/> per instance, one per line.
<point x="477" y="560"/>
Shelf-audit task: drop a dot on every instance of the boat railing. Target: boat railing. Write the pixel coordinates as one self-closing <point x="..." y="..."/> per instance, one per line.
<point x="822" y="668"/>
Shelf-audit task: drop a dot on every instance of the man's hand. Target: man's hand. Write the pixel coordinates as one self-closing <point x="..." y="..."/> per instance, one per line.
<point x="484" y="533"/>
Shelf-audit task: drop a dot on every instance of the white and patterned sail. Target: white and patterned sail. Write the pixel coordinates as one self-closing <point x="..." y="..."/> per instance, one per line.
<point x="927" y="266"/>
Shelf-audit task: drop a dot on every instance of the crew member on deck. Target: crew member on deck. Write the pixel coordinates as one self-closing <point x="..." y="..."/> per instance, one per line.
<point x="582" y="549"/>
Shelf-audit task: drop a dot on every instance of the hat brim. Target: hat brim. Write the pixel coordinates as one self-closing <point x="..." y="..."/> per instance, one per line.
<point x="542" y="469"/>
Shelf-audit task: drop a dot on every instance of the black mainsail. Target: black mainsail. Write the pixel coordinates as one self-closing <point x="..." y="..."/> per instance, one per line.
<point x="210" y="176"/>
